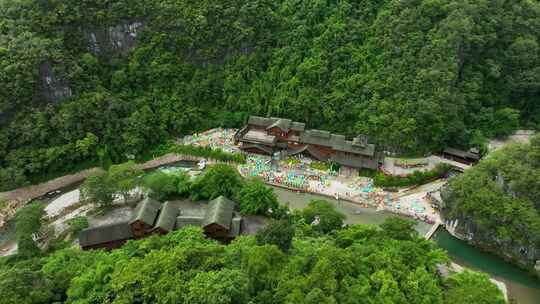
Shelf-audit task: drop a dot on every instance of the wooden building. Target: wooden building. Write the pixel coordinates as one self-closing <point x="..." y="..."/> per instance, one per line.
<point x="269" y="135"/>
<point x="266" y="135"/>
<point x="465" y="157"/>
<point x="144" y="217"/>
<point x="166" y="219"/>
<point x="105" y="237"/>
<point x="220" y="222"/>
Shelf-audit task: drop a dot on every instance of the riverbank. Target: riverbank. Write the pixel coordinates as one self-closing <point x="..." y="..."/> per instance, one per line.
<point x="299" y="175"/>
<point x="521" y="286"/>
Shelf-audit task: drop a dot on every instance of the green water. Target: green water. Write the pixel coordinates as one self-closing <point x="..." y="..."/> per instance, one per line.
<point x="354" y="214"/>
<point x="522" y="287"/>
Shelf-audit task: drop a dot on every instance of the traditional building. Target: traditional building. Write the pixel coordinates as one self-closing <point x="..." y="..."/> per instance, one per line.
<point x="105" y="237"/>
<point x="466" y="157"/>
<point x="144" y="217"/>
<point x="269" y="135"/>
<point x="166" y="219"/>
<point x="219" y="221"/>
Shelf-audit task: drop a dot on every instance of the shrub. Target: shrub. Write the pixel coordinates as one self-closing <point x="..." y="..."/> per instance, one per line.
<point x="328" y="217"/>
<point x="77" y="224"/>
<point x="417" y="178"/>
<point x="163" y="185"/>
<point x="256" y="198"/>
<point x="218" y="180"/>
<point x="323" y="166"/>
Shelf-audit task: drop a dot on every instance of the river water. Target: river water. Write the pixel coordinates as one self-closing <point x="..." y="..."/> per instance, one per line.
<point x="521" y="287"/>
<point x="524" y="288"/>
<point x="354" y="213"/>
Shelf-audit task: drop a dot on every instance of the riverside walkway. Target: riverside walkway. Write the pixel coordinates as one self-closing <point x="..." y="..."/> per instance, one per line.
<point x="432" y="230"/>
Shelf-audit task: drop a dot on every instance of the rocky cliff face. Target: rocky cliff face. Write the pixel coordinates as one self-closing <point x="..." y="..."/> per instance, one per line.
<point x="118" y="40"/>
<point x="53" y="88"/>
<point x="115" y="40"/>
<point x="527" y="257"/>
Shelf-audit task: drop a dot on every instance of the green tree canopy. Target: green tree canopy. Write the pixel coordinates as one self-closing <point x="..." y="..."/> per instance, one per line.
<point x="162" y="185"/>
<point x="279" y="233"/>
<point x="256" y="198"/>
<point x="323" y="216"/>
<point x="472" y="287"/>
<point x="217" y="180"/>
<point x="28" y="221"/>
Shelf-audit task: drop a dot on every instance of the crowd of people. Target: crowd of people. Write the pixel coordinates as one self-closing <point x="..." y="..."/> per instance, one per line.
<point x="298" y="174"/>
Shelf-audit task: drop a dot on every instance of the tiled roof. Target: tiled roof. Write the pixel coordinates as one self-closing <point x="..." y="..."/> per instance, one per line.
<point x="146" y="211"/>
<point x="283" y="123"/>
<point x="167" y="216"/>
<point x="353" y="161"/>
<point x="257" y="136"/>
<point x="188" y="220"/>
<point x="105" y="234"/>
<point x="219" y="211"/>
<point x="462" y="154"/>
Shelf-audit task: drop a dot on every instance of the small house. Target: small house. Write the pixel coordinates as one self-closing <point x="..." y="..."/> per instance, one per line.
<point x="465" y="157"/>
<point x="144" y="217"/>
<point x="166" y="219"/>
<point x="218" y="220"/>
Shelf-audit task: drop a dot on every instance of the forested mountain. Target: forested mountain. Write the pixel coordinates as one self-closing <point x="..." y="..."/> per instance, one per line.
<point x="82" y="80"/>
<point x="497" y="204"/>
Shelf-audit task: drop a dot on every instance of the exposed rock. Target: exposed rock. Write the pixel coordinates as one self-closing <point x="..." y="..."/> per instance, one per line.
<point x="443" y="270"/>
<point x="117" y="40"/>
<point x="53" y="88"/>
<point x="525" y="256"/>
<point x="8" y="210"/>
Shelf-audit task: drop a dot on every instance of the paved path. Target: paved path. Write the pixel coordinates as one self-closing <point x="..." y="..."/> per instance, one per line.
<point x="28" y="193"/>
<point x="432" y="161"/>
<point x="432" y="230"/>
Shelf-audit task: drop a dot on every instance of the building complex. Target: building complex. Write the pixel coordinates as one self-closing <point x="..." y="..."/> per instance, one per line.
<point x="283" y="137"/>
<point x="219" y="221"/>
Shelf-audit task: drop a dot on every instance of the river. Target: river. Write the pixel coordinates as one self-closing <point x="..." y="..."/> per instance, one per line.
<point x="521" y="287"/>
<point x="524" y="288"/>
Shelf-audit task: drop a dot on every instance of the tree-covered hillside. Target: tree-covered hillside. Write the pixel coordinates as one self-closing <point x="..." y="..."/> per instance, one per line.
<point x="88" y="80"/>
<point x="497" y="203"/>
<point x="360" y="264"/>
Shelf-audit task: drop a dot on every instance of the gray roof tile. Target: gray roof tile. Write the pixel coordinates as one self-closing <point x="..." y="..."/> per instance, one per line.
<point x="219" y="211"/>
<point x="105" y="234"/>
<point x="167" y="216"/>
<point x="146" y="211"/>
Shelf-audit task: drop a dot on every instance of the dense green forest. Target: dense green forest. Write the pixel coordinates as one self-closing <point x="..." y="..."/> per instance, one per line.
<point x="414" y="75"/>
<point x="360" y="264"/>
<point x="497" y="203"/>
